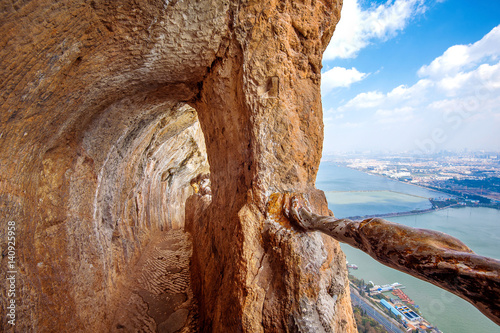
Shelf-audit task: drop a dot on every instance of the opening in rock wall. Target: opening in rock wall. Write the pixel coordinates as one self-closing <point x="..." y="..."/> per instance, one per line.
<point x="150" y="170"/>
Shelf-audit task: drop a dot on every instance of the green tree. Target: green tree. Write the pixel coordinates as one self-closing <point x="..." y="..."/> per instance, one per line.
<point x="365" y="323"/>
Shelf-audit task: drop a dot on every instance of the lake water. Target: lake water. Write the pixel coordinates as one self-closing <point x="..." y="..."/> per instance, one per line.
<point x="351" y="193"/>
<point x="344" y="204"/>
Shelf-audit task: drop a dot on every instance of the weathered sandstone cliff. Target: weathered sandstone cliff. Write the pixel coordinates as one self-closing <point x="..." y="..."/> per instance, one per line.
<point x="112" y="112"/>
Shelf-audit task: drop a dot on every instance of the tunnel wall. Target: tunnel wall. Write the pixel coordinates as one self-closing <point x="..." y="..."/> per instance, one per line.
<point x="97" y="144"/>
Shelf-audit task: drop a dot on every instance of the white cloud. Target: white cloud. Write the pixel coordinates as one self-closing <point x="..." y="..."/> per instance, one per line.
<point x="445" y="105"/>
<point x="358" y="27"/>
<point x="369" y="99"/>
<point x="340" y="77"/>
<point x="455" y="97"/>
<point x="462" y="57"/>
<point x="451" y="84"/>
<point x="477" y="82"/>
<point x="329" y="120"/>
<point x="351" y="125"/>
<point x="394" y="116"/>
<point x="410" y="94"/>
<point x="476" y="86"/>
<point x="480" y="81"/>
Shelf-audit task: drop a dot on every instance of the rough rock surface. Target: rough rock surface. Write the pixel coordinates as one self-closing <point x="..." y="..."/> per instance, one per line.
<point x="106" y="109"/>
<point x="157" y="296"/>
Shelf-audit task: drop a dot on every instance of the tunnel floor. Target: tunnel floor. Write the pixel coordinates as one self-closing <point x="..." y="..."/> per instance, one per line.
<point x="157" y="296"/>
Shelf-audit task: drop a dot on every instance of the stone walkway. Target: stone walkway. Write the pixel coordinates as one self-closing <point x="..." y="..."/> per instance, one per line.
<point x="160" y="298"/>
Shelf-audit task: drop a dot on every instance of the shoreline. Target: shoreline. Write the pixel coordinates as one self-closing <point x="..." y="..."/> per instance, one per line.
<point x="370" y="191"/>
<point x="425" y="187"/>
<point x="395" y="179"/>
<point x="412" y="212"/>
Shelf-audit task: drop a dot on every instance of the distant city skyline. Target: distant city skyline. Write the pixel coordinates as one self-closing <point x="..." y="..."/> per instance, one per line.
<point x="413" y="75"/>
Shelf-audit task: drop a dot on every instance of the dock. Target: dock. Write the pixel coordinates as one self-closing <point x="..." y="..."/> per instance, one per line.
<point x="402" y="296"/>
<point x="386" y="287"/>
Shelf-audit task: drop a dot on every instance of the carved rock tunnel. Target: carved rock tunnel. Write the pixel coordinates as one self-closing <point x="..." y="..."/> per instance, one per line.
<point x="105" y="108"/>
<point x="109" y="110"/>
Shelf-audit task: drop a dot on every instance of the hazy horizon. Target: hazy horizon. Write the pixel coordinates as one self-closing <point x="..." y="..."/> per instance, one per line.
<point x="463" y="151"/>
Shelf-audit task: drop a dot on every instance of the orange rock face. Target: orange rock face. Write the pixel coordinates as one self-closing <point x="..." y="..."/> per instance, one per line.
<point x="110" y="108"/>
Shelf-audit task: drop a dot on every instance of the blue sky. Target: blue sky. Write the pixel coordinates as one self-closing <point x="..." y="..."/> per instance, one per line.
<point x="413" y="75"/>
